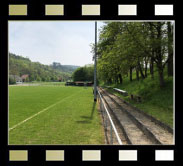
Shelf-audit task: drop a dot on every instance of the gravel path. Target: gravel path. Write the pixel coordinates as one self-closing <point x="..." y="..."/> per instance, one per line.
<point x="135" y="134"/>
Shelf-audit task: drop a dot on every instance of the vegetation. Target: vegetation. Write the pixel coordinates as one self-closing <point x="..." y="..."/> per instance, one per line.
<point x="125" y="47"/>
<point x="19" y="66"/>
<point x="156" y="101"/>
<point x="64" y="68"/>
<point x="138" y="57"/>
<point x="71" y="117"/>
<point x="12" y="81"/>
<point x="84" y="73"/>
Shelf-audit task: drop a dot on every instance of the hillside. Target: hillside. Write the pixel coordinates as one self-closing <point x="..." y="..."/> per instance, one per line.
<point x="156" y="101"/>
<point x="19" y="66"/>
<point x="64" y="68"/>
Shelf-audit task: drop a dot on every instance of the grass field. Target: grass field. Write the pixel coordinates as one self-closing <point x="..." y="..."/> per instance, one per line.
<point x="53" y="115"/>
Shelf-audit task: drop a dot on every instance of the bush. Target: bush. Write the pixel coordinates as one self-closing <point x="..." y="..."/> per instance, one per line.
<point x="11" y="81"/>
<point x="83" y="74"/>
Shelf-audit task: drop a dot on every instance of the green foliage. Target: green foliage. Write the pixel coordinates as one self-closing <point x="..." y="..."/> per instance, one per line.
<point x="84" y="74"/>
<point x="127" y="46"/>
<point x="12" y="81"/>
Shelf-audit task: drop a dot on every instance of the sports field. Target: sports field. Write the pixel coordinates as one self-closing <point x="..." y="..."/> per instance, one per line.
<point x="53" y="115"/>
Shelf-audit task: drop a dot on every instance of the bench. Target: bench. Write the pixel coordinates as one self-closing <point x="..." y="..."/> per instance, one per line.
<point x="124" y="93"/>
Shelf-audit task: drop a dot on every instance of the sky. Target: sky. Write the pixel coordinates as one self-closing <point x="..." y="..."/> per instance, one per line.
<point x="66" y="42"/>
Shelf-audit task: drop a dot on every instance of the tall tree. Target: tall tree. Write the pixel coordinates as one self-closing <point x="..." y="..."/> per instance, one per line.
<point x="170" y="49"/>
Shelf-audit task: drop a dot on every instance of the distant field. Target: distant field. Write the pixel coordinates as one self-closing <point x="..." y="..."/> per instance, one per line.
<point x="53" y="115"/>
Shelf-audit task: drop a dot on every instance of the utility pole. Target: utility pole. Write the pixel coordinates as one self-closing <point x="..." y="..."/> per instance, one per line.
<point x="95" y="65"/>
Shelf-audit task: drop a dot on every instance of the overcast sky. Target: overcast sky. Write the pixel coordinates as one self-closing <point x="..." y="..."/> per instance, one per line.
<point x="67" y="42"/>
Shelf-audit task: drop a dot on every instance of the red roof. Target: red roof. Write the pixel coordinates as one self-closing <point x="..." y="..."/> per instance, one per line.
<point x="24" y="76"/>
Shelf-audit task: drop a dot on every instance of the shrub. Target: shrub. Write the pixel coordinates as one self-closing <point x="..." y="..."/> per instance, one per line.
<point x="12" y="81"/>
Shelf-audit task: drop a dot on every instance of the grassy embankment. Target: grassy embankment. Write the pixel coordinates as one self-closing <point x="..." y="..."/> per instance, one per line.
<point x="69" y="115"/>
<point x="156" y="101"/>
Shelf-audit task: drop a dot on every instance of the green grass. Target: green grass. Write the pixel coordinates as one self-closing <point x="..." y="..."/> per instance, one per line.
<point x="74" y="119"/>
<point x="156" y="101"/>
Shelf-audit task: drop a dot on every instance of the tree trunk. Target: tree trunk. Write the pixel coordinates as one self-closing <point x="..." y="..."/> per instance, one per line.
<point x="109" y="81"/>
<point x="116" y="79"/>
<point x="170" y="65"/>
<point x="161" y="77"/>
<point x="141" y="71"/>
<point x="131" y="74"/>
<point x="146" y="68"/>
<point x="170" y="51"/>
<point x="159" y="56"/>
<point x="152" y="68"/>
<point x="153" y="53"/>
<point x="120" y="78"/>
<point x="137" y="73"/>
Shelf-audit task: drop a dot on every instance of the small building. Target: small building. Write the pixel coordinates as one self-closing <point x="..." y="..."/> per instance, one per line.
<point x="24" y="77"/>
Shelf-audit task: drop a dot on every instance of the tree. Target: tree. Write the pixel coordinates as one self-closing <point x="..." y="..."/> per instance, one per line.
<point x="12" y="81"/>
<point x="170" y="49"/>
<point x="84" y="74"/>
<point x="127" y="46"/>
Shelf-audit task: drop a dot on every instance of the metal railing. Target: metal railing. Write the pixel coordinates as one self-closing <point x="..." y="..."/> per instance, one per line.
<point x="110" y="129"/>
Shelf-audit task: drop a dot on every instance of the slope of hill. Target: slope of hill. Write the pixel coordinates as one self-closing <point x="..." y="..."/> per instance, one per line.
<point x="64" y="68"/>
<point x="156" y="101"/>
<point x="19" y="66"/>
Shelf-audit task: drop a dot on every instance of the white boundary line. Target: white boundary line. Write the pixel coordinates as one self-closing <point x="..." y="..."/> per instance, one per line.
<point x="45" y="109"/>
<point x="115" y="131"/>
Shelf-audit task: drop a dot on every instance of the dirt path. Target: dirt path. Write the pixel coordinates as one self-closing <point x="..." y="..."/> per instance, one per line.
<point x="137" y="128"/>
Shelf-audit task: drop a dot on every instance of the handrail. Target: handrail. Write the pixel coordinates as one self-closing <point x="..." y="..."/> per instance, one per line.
<point x="113" y="126"/>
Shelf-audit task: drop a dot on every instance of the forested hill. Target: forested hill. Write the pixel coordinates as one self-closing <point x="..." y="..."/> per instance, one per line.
<point x="19" y="66"/>
<point x="64" y="68"/>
